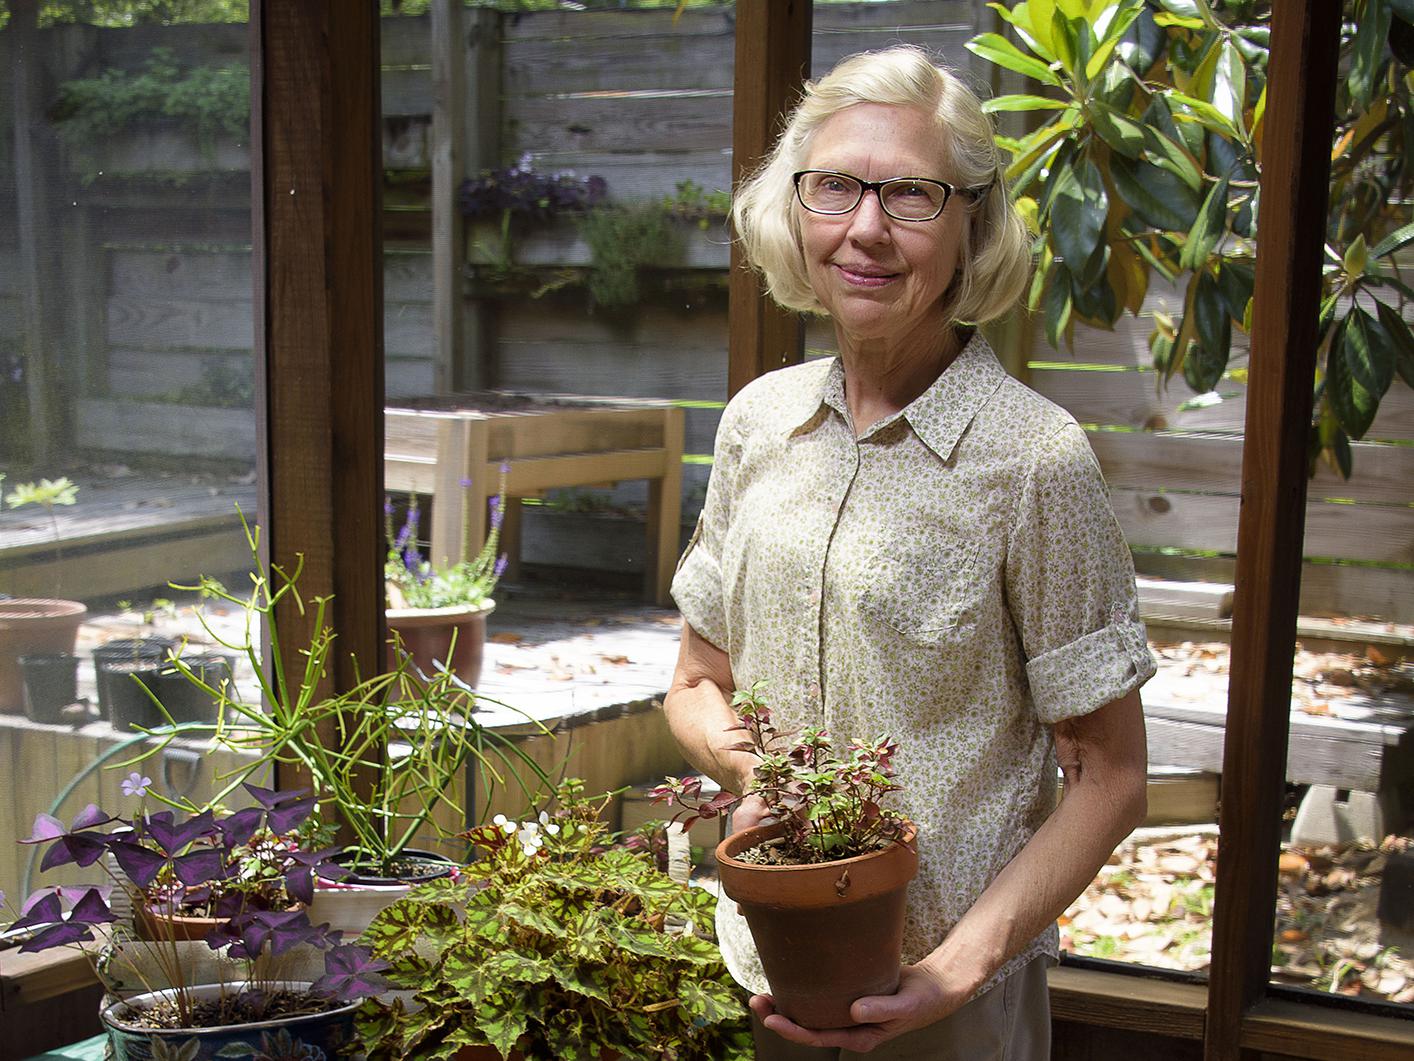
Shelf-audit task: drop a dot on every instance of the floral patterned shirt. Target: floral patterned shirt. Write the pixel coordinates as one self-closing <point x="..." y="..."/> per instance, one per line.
<point x="955" y="578"/>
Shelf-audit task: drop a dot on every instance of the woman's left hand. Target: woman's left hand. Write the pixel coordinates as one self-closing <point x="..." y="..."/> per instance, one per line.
<point x="922" y="998"/>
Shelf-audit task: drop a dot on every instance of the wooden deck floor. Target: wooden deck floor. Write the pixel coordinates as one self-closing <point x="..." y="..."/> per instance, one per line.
<point x="125" y="535"/>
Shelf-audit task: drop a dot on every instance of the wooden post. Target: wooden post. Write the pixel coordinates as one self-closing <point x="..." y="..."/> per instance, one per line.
<point x="316" y="173"/>
<point x="32" y="225"/>
<point x="448" y="153"/>
<point x="481" y="116"/>
<point x="1295" y="179"/>
<point x="772" y="62"/>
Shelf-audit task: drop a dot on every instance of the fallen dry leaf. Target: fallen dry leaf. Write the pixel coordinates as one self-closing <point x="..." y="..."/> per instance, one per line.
<point x="617" y="661"/>
<point x="506" y="637"/>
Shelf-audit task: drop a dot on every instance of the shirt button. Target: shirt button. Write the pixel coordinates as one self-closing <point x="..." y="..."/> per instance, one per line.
<point x="813" y="690"/>
<point x="814" y="596"/>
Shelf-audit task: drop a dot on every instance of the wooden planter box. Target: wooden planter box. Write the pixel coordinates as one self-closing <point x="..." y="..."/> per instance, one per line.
<point x="544" y="442"/>
<point x="557" y="243"/>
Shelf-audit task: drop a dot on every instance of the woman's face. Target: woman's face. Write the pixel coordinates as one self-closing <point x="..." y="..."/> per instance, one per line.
<point x="879" y="278"/>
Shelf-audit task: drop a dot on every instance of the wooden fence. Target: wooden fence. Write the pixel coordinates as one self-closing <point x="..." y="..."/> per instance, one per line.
<point x="156" y="273"/>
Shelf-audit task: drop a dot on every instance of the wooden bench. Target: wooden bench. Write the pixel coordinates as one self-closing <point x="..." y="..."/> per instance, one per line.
<point x="1367" y="748"/>
<point x="543" y="442"/>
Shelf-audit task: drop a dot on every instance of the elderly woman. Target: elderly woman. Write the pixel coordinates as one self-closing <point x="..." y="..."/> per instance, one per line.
<point x="905" y="539"/>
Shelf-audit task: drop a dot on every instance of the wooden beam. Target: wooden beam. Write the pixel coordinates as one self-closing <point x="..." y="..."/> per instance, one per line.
<point x="317" y="259"/>
<point x="772" y="62"/>
<point x="448" y="169"/>
<point x="1295" y="179"/>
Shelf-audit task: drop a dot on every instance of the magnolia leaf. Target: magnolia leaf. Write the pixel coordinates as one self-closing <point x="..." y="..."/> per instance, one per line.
<point x="1077" y="213"/>
<point x="1165" y="18"/>
<point x="1064" y="38"/>
<point x="1395" y="241"/>
<point x="1204" y="366"/>
<point x="1201" y="112"/>
<point x="1024" y="103"/>
<point x="1236" y="280"/>
<point x="1111" y="32"/>
<point x="1367" y="52"/>
<point x="1092" y="297"/>
<point x="1157" y="197"/>
<point x="1056" y="305"/>
<point x="1168" y="148"/>
<point x="1356" y="257"/>
<point x="1229" y="92"/>
<point x="1207" y="228"/>
<point x="1128" y="277"/>
<point x="1120" y="132"/>
<point x="1020" y="20"/>
<point x="1185" y="340"/>
<point x="1369" y="352"/>
<point x="1398" y="330"/>
<point x="1353" y="404"/>
<point x="998" y="49"/>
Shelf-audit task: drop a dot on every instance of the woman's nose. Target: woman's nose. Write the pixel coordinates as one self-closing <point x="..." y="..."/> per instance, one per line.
<point x="869" y="222"/>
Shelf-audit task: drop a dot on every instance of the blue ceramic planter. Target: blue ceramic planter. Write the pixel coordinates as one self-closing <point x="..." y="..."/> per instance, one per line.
<point x="315" y="1037"/>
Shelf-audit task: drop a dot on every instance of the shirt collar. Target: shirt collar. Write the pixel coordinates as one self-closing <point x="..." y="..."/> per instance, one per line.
<point x="938" y="416"/>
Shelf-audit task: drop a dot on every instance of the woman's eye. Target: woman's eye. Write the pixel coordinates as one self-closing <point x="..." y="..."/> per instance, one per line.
<point x="833" y="184"/>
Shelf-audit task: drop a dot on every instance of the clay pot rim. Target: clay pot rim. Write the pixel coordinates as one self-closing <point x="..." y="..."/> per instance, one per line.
<point x="758" y="833"/>
<point x="41" y="608"/>
<point x="455" y="611"/>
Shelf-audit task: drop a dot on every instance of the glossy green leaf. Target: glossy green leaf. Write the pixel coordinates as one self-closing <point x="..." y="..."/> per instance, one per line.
<point x="1356" y="257"/>
<point x="1367" y="51"/>
<point x="1091" y="295"/>
<point x="1024" y="103"/>
<point x="1236" y="280"/>
<point x="1213" y="327"/>
<point x="1067" y="47"/>
<point x="1156" y="196"/>
<point x="1395" y="241"/>
<point x="1369" y="352"/>
<point x="1164" y="18"/>
<point x="1077" y="213"/>
<point x="1056" y="305"/>
<point x="1119" y="131"/>
<point x="1397" y="328"/>
<point x="1352" y="403"/>
<point x="1032" y="22"/>
<point x="998" y="49"/>
<point x="1207" y="228"/>
<point x="1183" y="8"/>
<point x="1228" y="92"/>
<point x="1167" y="153"/>
<point x="1201" y="112"/>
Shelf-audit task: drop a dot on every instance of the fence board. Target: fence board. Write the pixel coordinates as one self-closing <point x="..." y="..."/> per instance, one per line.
<point x="208" y="45"/>
<point x="152" y="373"/>
<point x="650" y="122"/>
<point x="608" y="369"/>
<point x="667" y="60"/>
<point x="1178" y="461"/>
<point x="405" y="41"/>
<point x="191" y="323"/>
<point x="1380" y="533"/>
<point x="633" y="177"/>
<point x="177" y="274"/>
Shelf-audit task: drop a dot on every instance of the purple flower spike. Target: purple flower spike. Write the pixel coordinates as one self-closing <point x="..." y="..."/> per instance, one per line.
<point x="466" y="484"/>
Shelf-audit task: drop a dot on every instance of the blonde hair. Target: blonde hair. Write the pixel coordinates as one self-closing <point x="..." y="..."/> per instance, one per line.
<point x="995" y="256"/>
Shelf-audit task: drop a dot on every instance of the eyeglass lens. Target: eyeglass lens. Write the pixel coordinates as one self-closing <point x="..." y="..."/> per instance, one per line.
<point x="910" y="200"/>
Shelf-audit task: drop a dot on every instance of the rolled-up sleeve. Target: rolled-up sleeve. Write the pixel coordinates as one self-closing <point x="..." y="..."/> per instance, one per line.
<point x="697" y="584"/>
<point x="1070" y="585"/>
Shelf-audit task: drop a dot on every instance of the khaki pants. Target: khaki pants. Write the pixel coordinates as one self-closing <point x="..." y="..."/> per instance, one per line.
<point x="1010" y="1022"/>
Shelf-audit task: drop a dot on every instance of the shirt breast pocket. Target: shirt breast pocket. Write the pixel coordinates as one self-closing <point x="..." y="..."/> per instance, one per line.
<point x="930" y="596"/>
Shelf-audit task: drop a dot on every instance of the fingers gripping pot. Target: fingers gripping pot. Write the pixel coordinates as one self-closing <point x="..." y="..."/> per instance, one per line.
<point x="828" y="932"/>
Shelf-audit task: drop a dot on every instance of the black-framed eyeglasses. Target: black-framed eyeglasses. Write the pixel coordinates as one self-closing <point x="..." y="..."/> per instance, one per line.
<point x="824" y="191"/>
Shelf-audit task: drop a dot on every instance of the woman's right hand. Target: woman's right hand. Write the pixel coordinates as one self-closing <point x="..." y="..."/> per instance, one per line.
<point x="750" y="812"/>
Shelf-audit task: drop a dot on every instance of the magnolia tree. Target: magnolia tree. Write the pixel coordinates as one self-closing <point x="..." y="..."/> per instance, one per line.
<point x="1147" y="160"/>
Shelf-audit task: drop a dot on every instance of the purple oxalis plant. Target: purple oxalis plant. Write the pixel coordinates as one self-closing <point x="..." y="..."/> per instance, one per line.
<point x="165" y="859"/>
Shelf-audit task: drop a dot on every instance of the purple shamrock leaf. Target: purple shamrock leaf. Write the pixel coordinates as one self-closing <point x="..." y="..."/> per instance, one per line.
<point x="139" y="863"/>
<point x="350" y="973"/>
<point x="42" y="908"/>
<point x="172" y="837"/>
<point x="57" y="936"/>
<point x="92" y="909"/>
<point x="89" y="817"/>
<point x="198" y="866"/>
<point x="269" y="798"/>
<point x="289" y="815"/>
<point x="239" y="827"/>
<point x="83" y="849"/>
<point x="282" y="929"/>
<point x="299" y="878"/>
<point x="46" y="828"/>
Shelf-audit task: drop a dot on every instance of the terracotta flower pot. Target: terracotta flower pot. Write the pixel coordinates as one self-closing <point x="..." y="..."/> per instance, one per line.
<point x="33" y="626"/>
<point x="427" y="635"/>
<point x="827" y="933"/>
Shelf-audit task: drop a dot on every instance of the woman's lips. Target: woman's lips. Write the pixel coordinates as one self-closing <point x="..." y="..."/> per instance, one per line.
<point x="863" y="277"/>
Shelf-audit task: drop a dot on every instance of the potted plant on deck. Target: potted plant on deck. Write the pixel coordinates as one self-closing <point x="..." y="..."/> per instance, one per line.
<point x="401" y="742"/>
<point x="244" y="990"/>
<point x="42" y="629"/>
<point x="554" y="947"/>
<point x="437" y="615"/>
<point x="822" y="888"/>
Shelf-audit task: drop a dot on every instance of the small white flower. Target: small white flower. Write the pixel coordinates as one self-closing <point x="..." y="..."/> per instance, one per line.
<point x="506" y="825"/>
<point x="550" y="827"/>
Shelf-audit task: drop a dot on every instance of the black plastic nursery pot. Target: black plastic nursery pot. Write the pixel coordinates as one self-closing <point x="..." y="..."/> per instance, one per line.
<point x="186" y="701"/>
<point x="125" y="669"/>
<point x="51" y="684"/>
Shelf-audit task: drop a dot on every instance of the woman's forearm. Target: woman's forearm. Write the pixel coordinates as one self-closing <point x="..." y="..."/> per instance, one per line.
<point x="700" y="716"/>
<point x="1104" y="761"/>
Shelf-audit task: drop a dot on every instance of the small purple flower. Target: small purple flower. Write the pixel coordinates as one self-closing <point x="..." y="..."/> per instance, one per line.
<point x="466" y="484"/>
<point x="136" y="785"/>
<point x="498" y="511"/>
<point x="500" y="567"/>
